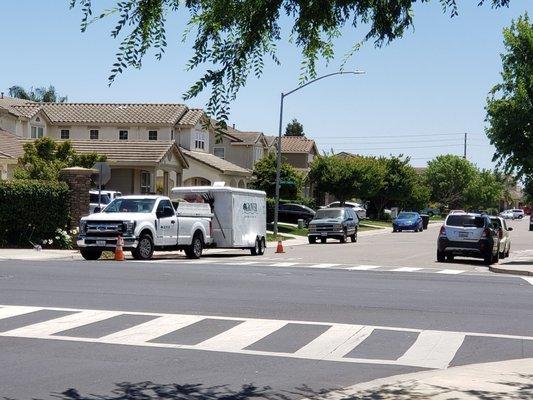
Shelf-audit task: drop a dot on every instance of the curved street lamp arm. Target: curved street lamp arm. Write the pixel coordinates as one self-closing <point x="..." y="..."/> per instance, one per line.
<point x="322" y="77"/>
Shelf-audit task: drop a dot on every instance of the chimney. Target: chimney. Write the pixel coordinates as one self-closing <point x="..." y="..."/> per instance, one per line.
<point x="233" y="124"/>
<point x="1" y="95"/>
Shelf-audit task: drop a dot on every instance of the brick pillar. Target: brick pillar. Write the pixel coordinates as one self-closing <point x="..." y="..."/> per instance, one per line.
<point x="79" y="181"/>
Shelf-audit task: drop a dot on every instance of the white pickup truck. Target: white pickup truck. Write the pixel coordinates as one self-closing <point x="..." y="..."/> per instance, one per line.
<point x="146" y="223"/>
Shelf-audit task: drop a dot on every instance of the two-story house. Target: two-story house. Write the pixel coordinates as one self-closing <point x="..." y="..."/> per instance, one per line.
<point x="148" y="146"/>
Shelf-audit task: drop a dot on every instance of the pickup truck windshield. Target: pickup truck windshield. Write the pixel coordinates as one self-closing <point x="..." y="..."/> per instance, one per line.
<point x="130" y="205"/>
<point x="324" y="214"/>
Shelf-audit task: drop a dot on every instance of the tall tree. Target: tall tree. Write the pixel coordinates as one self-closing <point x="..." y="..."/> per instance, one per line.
<point x="40" y="94"/>
<point x="510" y="103"/>
<point x="347" y="177"/>
<point x="484" y="191"/>
<point x="294" y="128"/>
<point x="44" y="158"/>
<point x="264" y="178"/>
<point x="448" y="177"/>
<point x="233" y="37"/>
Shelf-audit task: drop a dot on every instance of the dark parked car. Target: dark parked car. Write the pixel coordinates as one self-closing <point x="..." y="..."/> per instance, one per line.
<point x="407" y="221"/>
<point x="293" y="212"/>
<point x="338" y="223"/>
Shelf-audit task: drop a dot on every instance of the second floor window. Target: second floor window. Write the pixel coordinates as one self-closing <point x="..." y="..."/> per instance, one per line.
<point x="219" y="152"/>
<point x="37" y="132"/>
<point x="152" y="135"/>
<point x="93" y="134"/>
<point x="199" y="140"/>
<point x="65" y="134"/>
<point x="123" y="135"/>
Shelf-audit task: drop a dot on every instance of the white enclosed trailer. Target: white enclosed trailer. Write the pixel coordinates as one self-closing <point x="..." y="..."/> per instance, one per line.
<point x="239" y="215"/>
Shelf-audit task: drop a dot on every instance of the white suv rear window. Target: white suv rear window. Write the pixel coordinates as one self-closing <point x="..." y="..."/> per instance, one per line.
<point x="465" y="221"/>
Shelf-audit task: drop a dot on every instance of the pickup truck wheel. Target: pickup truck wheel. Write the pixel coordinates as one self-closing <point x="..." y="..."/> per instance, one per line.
<point x="196" y="247"/>
<point x="323" y="240"/>
<point x="144" y="249"/>
<point x="90" y="254"/>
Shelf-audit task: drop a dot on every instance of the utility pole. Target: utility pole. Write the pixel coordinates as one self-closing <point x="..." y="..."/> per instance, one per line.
<point x="464" y="154"/>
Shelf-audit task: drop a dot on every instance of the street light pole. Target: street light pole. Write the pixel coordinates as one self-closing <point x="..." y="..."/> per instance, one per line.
<point x="278" y="163"/>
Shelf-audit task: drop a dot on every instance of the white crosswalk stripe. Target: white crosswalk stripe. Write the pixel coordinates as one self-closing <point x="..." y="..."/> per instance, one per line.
<point x="322" y="265"/>
<point x="13" y="311"/>
<point x="405" y="269"/>
<point x="432" y="349"/>
<point x="282" y="264"/>
<point x="450" y="271"/>
<point x="336" y="342"/>
<point x="242" y="335"/>
<point x="60" y="324"/>
<point x="150" y="330"/>
<point x="363" y="267"/>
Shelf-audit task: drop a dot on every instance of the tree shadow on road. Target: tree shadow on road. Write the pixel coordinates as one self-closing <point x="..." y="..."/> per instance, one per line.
<point x="408" y="390"/>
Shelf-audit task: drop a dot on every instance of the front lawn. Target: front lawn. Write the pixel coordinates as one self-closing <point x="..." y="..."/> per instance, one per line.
<point x="288" y="228"/>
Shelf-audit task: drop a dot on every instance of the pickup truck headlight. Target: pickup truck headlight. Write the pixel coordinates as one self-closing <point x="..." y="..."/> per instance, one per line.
<point x="83" y="227"/>
<point x="129" y="227"/>
<point x="337" y="226"/>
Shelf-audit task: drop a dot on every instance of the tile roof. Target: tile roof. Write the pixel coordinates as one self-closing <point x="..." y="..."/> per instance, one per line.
<point x="271" y="140"/>
<point x="192" y="117"/>
<point x="26" y="110"/>
<point x="297" y="144"/>
<point x="129" y="151"/>
<point x="168" y="114"/>
<point x="10" y="146"/>
<point x="247" y="137"/>
<point x="215" y="162"/>
<point x="11" y="104"/>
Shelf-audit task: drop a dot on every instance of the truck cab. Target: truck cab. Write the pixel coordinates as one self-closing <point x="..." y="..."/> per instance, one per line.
<point x="146" y="224"/>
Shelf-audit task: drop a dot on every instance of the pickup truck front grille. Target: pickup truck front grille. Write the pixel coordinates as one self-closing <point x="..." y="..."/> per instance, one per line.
<point x="104" y="228"/>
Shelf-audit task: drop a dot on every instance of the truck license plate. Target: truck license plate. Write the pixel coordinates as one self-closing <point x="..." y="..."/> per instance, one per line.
<point x="100" y="242"/>
<point x="463" y="234"/>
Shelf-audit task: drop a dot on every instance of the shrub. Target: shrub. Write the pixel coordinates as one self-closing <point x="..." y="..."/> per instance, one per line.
<point x="32" y="211"/>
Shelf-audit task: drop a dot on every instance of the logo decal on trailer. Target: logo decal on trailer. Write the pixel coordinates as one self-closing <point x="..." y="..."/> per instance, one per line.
<point x="249" y="207"/>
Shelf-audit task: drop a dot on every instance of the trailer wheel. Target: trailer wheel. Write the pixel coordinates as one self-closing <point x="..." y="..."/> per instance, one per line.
<point x="263" y="246"/>
<point x="255" y="251"/>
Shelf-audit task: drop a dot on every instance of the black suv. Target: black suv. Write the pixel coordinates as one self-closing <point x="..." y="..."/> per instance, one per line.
<point x="339" y="223"/>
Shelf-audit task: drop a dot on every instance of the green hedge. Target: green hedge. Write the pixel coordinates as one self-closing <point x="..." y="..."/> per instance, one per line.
<point x="31" y="211"/>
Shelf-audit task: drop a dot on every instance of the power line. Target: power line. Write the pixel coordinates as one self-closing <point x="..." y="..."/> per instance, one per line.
<point x="437" y="141"/>
<point x="396" y="136"/>
<point x="402" y="148"/>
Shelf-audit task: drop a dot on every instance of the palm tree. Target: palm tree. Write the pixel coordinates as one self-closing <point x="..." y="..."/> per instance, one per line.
<point x="40" y="94"/>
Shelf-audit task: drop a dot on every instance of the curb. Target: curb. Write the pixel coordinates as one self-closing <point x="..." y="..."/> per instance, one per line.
<point x="510" y="271"/>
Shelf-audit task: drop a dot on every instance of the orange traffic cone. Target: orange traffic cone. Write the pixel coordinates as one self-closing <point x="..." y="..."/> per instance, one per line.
<point x="119" y="253"/>
<point x="279" y="249"/>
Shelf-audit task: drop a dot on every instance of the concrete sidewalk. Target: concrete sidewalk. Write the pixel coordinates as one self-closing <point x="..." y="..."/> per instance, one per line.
<point x="519" y="263"/>
<point x="42" y="255"/>
<point x="498" y="380"/>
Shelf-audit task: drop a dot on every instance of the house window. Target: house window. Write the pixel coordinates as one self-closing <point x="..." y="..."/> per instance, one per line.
<point x="123" y="135"/>
<point x="199" y="140"/>
<point x="65" y="134"/>
<point x="152" y="135"/>
<point x="219" y="152"/>
<point x="93" y="134"/>
<point x="258" y="153"/>
<point x="37" y="132"/>
<point x="146" y="186"/>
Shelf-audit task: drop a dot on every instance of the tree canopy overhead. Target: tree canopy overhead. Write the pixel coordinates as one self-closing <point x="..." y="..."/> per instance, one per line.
<point x="41" y="94"/>
<point x="510" y="103"/>
<point x="232" y="38"/>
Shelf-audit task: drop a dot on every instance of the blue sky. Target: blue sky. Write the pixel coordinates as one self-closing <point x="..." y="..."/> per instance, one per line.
<point x="417" y="98"/>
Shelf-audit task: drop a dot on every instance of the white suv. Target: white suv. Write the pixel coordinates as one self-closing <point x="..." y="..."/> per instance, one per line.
<point x="468" y="235"/>
<point x="518" y="213"/>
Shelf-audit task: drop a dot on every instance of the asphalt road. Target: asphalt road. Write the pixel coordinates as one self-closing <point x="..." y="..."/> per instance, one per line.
<point x="108" y="329"/>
